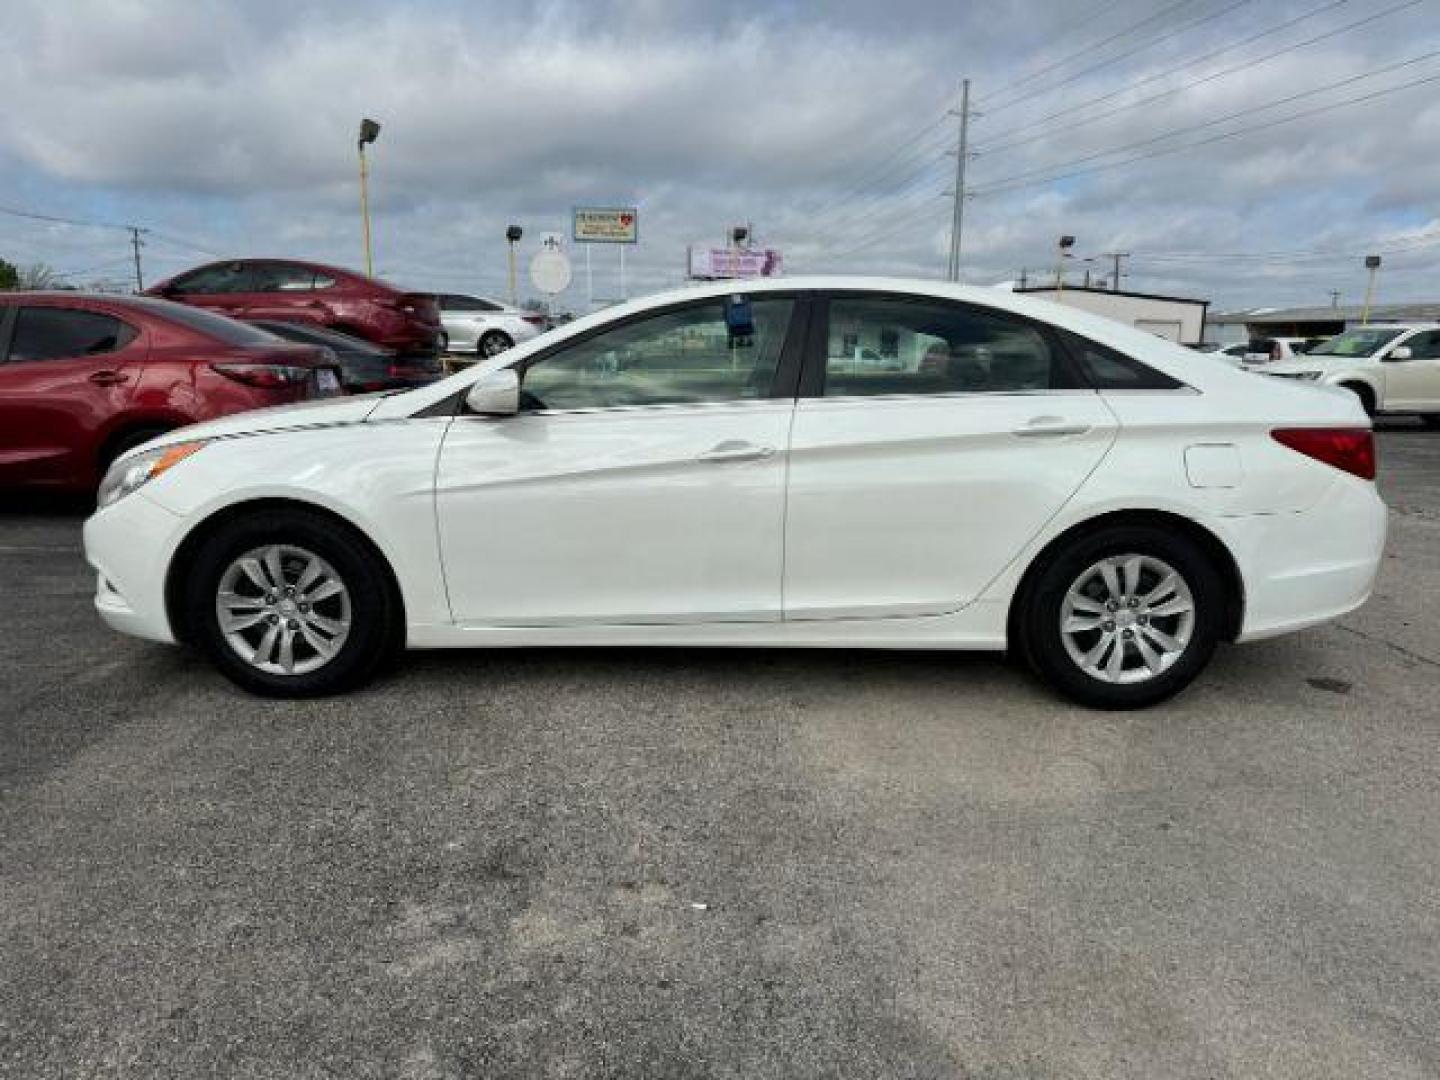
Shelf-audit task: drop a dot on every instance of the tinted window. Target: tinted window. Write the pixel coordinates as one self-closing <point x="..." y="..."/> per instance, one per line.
<point x="280" y="277"/>
<point x="226" y="331"/>
<point x="1424" y="346"/>
<point x="53" y="333"/>
<point x="208" y="280"/>
<point x="1363" y="342"/>
<point x="883" y="345"/>
<point x="720" y="351"/>
<point x="1106" y="369"/>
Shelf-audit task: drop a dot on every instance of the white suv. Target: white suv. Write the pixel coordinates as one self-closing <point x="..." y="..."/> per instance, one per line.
<point x="1392" y="367"/>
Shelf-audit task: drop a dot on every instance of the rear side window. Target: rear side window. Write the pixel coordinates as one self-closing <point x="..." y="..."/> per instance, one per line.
<point x="281" y="277"/>
<point x="212" y="280"/>
<point x="56" y="333"/>
<point x="218" y="327"/>
<point x="1107" y="369"/>
<point x="881" y="345"/>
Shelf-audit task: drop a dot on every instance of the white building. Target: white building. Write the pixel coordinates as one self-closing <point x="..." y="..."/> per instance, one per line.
<point x="1174" y="318"/>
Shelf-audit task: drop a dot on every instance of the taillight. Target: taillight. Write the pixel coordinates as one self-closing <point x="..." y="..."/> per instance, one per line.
<point x="534" y="320"/>
<point x="265" y="376"/>
<point x="1351" y="450"/>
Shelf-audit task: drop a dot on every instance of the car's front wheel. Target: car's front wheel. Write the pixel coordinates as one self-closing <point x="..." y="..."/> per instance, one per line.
<point x="287" y="604"/>
<point x="493" y="343"/>
<point x="1125" y="616"/>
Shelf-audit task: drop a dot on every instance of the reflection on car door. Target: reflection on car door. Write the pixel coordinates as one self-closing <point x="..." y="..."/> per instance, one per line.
<point x="911" y="489"/>
<point x="643" y="482"/>
<point x="66" y="373"/>
<point x="1415" y="383"/>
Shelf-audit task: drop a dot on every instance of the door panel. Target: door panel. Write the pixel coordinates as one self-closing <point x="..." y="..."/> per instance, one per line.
<point x="936" y="441"/>
<point x="54" y="407"/>
<point x="911" y="506"/>
<point x="644" y="483"/>
<point x="1415" y="383"/>
<point x="615" y="516"/>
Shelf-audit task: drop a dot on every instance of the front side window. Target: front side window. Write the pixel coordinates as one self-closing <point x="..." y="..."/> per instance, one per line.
<point x="1424" y="346"/>
<point x="56" y="333"/>
<point x="885" y="345"/>
<point x="724" y="350"/>
<point x="210" y="280"/>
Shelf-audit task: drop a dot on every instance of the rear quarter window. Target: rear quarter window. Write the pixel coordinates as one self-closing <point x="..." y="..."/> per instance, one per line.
<point x="1106" y="369"/>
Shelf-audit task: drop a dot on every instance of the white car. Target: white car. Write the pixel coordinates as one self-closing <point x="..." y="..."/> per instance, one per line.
<point x="484" y="327"/>
<point x="1276" y="350"/>
<point x="1393" y="368"/>
<point x="711" y="468"/>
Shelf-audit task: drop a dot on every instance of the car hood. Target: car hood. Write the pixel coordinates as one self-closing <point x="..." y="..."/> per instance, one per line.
<point x="328" y="412"/>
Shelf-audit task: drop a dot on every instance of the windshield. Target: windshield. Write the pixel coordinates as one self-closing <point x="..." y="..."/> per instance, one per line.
<point x="1365" y="342"/>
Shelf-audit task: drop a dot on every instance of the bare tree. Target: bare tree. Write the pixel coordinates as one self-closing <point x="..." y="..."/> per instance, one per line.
<point x="38" y="276"/>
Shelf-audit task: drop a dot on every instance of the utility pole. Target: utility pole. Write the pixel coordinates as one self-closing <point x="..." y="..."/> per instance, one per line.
<point x="957" y="213"/>
<point x="1372" y="263"/>
<point x="1115" y="257"/>
<point x="136" y="244"/>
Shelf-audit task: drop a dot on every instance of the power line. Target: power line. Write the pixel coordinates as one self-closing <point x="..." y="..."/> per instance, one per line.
<point x="869" y="176"/>
<point x="1017" y="181"/>
<point x="52" y="218"/>
<point x="1186" y="28"/>
<point x="866" y="239"/>
<point x="1084" y="52"/>
<point x="1255" y="62"/>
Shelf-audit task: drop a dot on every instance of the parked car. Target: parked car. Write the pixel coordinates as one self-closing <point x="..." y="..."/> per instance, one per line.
<point x="1392" y="368"/>
<point x="405" y="322"/>
<point x="1231" y="354"/>
<point x="485" y="327"/>
<point x="1274" y="350"/>
<point x="364" y="367"/>
<point x="85" y="378"/>
<point x="689" y="470"/>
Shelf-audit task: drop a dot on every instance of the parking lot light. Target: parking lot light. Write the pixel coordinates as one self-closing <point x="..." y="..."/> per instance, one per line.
<point x="369" y="132"/>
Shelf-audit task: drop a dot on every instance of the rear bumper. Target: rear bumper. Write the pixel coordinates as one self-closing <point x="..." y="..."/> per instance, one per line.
<point x="1308" y="568"/>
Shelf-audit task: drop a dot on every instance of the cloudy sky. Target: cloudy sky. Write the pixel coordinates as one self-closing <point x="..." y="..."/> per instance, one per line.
<point x="229" y="128"/>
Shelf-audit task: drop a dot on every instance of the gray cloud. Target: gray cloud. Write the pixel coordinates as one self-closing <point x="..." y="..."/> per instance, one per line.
<point x="233" y="125"/>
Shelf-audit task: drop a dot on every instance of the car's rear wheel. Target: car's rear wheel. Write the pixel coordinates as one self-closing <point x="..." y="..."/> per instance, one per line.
<point x="1124" y="617"/>
<point x="288" y="605"/>
<point x="1431" y="420"/>
<point x="493" y="343"/>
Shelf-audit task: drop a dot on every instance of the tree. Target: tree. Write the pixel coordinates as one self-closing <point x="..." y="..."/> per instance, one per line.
<point x="38" y="276"/>
<point x="9" y="276"/>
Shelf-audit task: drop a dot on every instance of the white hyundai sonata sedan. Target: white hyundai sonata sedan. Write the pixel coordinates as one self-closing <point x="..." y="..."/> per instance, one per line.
<point x="814" y="462"/>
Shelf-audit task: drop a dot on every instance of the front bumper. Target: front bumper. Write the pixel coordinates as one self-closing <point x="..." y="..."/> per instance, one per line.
<point x="130" y="545"/>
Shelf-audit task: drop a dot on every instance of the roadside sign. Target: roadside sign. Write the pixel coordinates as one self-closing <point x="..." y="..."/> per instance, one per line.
<point x="607" y="225"/>
<point x="550" y="271"/>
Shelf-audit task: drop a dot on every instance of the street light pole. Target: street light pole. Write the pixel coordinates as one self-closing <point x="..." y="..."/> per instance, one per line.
<point x="512" y="237"/>
<point x="369" y="132"/>
<point x="1372" y="263"/>
<point x="1062" y="252"/>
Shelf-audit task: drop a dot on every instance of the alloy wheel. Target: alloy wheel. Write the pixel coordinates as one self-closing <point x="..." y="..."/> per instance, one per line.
<point x="283" y="609"/>
<point x="1127" y="618"/>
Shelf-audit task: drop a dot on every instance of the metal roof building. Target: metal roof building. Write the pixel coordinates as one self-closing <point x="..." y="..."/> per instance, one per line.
<point x="1232" y="326"/>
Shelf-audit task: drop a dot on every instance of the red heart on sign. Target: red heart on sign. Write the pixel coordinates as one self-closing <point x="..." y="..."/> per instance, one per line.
<point x="626" y="219"/>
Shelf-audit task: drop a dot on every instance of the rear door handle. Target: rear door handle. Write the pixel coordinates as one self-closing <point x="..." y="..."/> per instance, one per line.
<point x="109" y="378"/>
<point x="735" y="450"/>
<point x="1049" y="427"/>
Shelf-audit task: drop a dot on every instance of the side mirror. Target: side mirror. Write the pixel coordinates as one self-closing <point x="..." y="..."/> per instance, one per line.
<point x="496" y="393"/>
<point x="1401" y="352"/>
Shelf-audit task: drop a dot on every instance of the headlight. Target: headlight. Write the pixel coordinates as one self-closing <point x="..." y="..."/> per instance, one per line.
<point x="132" y="473"/>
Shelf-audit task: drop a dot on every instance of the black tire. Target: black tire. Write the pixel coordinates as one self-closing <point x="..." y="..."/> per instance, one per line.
<point x="1431" y="420"/>
<point x="1366" y="396"/>
<point x="492" y="343"/>
<point x="376" y="620"/>
<point x="1038" y="620"/>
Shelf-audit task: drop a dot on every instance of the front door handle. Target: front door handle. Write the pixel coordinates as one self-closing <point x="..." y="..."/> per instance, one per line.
<point x="109" y="378"/>
<point x="1049" y="427"/>
<point x="735" y="450"/>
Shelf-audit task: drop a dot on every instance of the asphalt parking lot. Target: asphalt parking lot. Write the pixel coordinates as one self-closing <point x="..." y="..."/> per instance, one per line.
<point x="708" y="863"/>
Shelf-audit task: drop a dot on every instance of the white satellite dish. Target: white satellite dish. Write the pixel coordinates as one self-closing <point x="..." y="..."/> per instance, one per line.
<point x="550" y="271"/>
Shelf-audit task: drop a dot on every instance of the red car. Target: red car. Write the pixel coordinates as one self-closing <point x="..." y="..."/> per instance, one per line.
<point x="406" y="323"/>
<point x="84" y="378"/>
